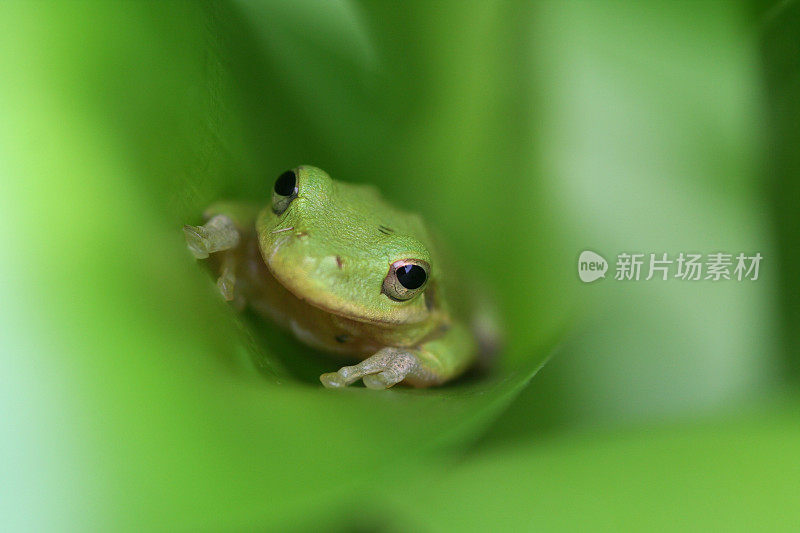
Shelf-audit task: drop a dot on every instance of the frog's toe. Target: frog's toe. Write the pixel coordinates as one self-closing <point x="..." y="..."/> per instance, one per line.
<point x="382" y="380"/>
<point x="349" y="374"/>
<point x="226" y="283"/>
<point x="333" y="380"/>
<point x="197" y="240"/>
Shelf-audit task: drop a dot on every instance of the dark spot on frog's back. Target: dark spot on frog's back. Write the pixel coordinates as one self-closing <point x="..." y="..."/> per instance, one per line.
<point x="386" y="230"/>
<point x="342" y="338"/>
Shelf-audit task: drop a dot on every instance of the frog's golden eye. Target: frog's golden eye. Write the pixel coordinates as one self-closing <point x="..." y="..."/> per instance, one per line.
<point x="284" y="191"/>
<point x="406" y="279"/>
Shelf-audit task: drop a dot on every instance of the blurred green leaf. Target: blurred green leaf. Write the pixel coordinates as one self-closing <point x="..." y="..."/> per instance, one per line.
<point x="651" y="141"/>
<point x="735" y="474"/>
<point x="779" y="25"/>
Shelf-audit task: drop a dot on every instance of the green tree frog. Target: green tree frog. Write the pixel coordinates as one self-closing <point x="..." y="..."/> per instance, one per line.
<point x="347" y="273"/>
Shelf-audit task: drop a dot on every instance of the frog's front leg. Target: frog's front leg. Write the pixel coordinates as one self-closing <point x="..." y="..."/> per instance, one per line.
<point x="218" y="235"/>
<point x="430" y="363"/>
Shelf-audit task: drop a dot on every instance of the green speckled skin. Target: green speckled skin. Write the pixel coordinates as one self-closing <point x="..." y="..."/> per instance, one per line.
<point x="318" y="268"/>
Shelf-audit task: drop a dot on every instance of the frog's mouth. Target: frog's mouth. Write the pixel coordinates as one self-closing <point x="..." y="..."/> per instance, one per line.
<point x="328" y="302"/>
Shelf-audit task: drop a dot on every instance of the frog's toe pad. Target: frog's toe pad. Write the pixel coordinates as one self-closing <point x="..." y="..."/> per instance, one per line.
<point x="333" y="380"/>
<point x="197" y="240"/>
<point x="382" y="380"/>
<point x="225" y="284"/>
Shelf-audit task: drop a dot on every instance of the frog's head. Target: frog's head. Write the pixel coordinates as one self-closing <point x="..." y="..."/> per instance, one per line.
<point x="340" y="247"/>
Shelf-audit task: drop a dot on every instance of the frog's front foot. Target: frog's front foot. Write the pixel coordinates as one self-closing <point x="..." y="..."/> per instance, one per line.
<point x="380" y="371"/>
<point x="216" y="235"/>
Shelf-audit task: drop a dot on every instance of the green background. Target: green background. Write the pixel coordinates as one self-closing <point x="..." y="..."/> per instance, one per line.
<point x="132" y="397"/>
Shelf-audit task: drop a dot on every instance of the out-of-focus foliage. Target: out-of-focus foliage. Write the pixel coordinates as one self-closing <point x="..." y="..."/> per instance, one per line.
<point x="654" y="147"/>
<point x="779" y="26"/>
<point x="737" y="474"/>
<point x="131" y="396"/>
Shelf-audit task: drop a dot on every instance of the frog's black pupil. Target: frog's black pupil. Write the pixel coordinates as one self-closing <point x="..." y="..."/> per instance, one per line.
<point x="285" y="183"/>
<point x="411" y="276"/>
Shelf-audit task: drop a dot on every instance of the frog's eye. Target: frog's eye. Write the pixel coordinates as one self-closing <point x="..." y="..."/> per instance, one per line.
<point x="284" y="191"/>
<point x="406" y="279"/>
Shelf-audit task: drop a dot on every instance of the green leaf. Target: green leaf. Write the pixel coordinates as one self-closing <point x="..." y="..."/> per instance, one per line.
<point x="737" y="473"/>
